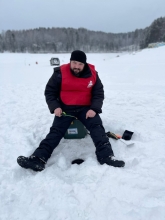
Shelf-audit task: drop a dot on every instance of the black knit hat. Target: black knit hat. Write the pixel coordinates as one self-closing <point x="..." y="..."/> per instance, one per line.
<point x="79" y="56"/>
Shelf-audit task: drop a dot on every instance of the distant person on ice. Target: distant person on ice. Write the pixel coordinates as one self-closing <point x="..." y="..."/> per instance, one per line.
<point x="74" y="88"/>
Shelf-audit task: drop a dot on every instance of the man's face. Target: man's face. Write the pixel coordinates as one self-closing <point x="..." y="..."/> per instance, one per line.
<point x="76" y="66"/>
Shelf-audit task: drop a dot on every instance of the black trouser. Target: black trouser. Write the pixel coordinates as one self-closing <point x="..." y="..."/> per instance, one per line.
<point x="60" y="126"/>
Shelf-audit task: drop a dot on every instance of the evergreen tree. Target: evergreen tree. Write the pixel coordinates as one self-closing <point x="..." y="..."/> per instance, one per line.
<point x="156" y="32"/>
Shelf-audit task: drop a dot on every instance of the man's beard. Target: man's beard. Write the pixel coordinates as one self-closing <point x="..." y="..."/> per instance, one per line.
<point x="76" y="71"/>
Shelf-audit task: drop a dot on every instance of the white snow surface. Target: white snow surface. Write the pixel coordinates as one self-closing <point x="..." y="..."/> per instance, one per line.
<point x="134" y="87"/>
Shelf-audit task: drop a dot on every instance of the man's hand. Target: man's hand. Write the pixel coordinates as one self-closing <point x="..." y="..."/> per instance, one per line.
<point x="58" y="112"/>
<point x="90" y="114"/>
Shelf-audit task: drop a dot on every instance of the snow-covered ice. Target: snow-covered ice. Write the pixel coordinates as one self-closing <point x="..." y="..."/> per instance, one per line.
<point x="134" y="87"/>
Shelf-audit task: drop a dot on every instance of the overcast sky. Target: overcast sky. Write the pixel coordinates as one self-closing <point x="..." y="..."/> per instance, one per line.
<point x="99" y="15"/>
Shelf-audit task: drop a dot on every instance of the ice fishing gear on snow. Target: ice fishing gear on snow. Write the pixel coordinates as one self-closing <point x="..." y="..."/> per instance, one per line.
<point x="127" y="135"/>
<point x="77" y="131"/>
<point x="126" y="140"/>
<point x="112" y="135"/>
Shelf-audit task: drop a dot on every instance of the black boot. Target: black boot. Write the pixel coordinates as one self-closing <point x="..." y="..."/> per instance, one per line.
<point x="112" y="162"/>
<point x="32" y="162"/>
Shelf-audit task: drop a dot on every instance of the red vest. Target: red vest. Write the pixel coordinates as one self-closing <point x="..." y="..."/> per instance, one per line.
<point x="75" y="90"/>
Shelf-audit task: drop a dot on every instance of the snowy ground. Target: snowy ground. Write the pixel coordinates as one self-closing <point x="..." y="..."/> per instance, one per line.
<point x="135" y="100"/>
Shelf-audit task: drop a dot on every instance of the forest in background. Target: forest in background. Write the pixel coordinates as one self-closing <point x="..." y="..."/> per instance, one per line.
<point x="57" y="40"/>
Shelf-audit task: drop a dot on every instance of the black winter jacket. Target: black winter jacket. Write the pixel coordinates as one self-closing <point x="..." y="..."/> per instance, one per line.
<point x="53" y="87"/>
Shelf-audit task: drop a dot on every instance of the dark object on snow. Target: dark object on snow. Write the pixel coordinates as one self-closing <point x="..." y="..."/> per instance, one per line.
<point x="54" y="62"/>
<point x="77" y="161"/>
<point x="112" y="162"/>
<point x="32" y="162"/>
<point x="127" y="135"/>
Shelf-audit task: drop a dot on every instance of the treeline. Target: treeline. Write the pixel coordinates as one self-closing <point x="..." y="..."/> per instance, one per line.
<point x="66" y="40"/>
<point x="46" y="40"/>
